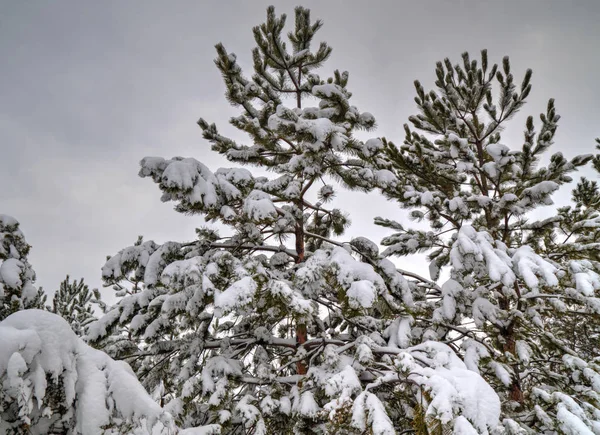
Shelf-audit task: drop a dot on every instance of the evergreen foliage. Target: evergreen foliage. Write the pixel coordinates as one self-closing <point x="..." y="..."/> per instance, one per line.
<point x="521" y="291"/>
<point x="51" y="382"/>
<point x="275" y="326"/>
<point x="17" y="291"/>
<point x="73" y="302"/>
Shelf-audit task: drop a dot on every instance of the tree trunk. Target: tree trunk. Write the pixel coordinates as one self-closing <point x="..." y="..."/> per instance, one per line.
<point x="301" y="338"/>
<point x="301" y="335"/>
<point x="508" y="334"/>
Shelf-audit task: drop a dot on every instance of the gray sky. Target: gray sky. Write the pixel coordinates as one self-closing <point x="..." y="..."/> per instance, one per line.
<point x="89" y="88"/>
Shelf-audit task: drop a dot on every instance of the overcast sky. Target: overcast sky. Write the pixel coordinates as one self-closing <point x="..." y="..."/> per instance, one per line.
<point x="89" y="88"/>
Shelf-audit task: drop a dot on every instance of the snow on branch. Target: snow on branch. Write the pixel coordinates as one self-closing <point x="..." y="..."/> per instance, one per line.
<point x="194" y="186"/>
<point x="45" y="368"/>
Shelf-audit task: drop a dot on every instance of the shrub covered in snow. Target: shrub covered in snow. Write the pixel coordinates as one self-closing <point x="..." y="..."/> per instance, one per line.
<point x="52" y="382"/>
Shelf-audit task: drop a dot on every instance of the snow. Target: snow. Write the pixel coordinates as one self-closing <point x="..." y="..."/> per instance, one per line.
<point x="28" y="292"/>
<point x="116" y="266"/>
<point x="474" y="351"/>
<point x="463" y="427"/>
<point x="483" y="310"/>
<point x="10" y="273"/>
<point x="372" y="147"/>
<point x="350" y="269"/>
<point x="293" y="298"/>
<point x="586" y="279"/>
<point x="328" y="90"/>
<point x="189" y="271"/>
<point x="498" y="152"/>
<point x="396" y="281"/>
<point x="259" y="207"/>
<point x="570" y="424"/>
<point x="360" y="281"/>
<point x="473" y="247"/>
<point x="249" y="413"/>
<point x="538" y="194"/>
<point x="452" y="386"/>
<point x="308" y="407"/>
<point x="8" y="221"/>
<point x="385" y="178"/>
<point x="404" y="333"/>
<point x="238" y="294"/>
<point x="399" y="332"/>
<point x="361" y="294"/>
<point x="98" y="387"/>
<point x="156" y="263"/>
<point x="368" y="411"/>
<point x="427" y="198"/>
<point x="209" y="429"/>
<point x="491" y="169"/>
<point x="237" y="176"/>
<point x="501" y="373"/>
<point x="343" y="383"/>
<point x="365" y="246"/>
<point x="530" y="267"/>
<point x="523" y="351"/>
<point x="454" y="139"/>
<point x="457" y="204"/>
<point x="450" y="289"/>
<point x="193" y="184"/>
<point x="321" y="129"/>
<point x="218" y="366"/>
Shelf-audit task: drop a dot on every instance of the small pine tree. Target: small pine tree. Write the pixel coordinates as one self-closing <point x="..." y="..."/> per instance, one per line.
<point x="73" y="301"/>
<point x="275" y="326"/>
<point x="51" y="382"/>
<point x="520" y="291"/>
<point x="17" y="291"/>
<point x="119" y="339"/>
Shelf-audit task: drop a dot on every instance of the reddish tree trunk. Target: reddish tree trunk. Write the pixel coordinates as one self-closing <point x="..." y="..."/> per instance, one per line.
<point x="508" y="334"/>
<point x="301" y="367"/>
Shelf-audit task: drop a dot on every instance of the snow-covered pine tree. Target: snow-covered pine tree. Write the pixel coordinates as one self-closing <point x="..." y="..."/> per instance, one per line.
<point x="17" y="291"/>
<point x="51" y="382"/>
<point x="572" y="238"/>
<point x="121" y="341"/>
<point x="73" y="301"/>
<point x="515" y="283"/>
<point x="274" y="326"/>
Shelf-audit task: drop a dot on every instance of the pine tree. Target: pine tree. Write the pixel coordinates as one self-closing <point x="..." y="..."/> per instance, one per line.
<point x="119" y="338"/>
<point x="519" y="291"/>
<point x="73" y="302"/>
<point x="275" y="326"/>
<point x="17" y="291"/>
<point x="51" y="382"/>
<point x="572" y="238"/>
